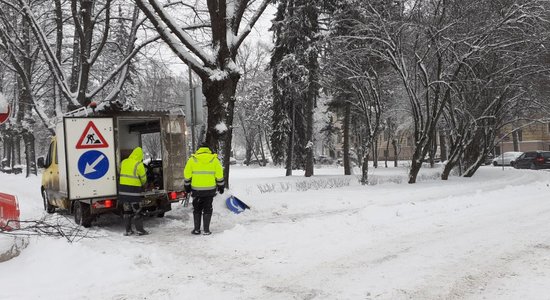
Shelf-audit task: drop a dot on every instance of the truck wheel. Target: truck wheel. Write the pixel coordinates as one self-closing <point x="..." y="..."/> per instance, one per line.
<point x="160" y="215"/>
<point x="47" y="206"/>
<point x="82" y="214"/>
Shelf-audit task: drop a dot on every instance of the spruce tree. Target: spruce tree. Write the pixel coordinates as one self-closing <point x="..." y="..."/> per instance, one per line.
<point x="294" y="64"/>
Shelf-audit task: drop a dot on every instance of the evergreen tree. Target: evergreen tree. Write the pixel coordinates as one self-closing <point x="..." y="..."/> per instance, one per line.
<point x="295" y="83"/>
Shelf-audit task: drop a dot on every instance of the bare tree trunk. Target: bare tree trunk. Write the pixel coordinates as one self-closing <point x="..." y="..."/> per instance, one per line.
<point x="347" y="116"/>
<point x="229" y="95"/>
<point x="395" y="152"/>
<point x="309" y="135"/>
<point x="290" y="148"/>
<point x="375" y="154"/>
<point x="387" y="153"/>
<point x="433" y="149"/>
<point x="443" y="145"/>
<point x="249" y="143"/>
<point x="17" y="150"/>
<point x="75" y="68"/>
<point x="86" y="10"/>
<point x="365" y="168"/>
<point x="261" y="145"/>
<point x="7" y="162"/>
<point x="515" y="140"/>
<point x="30" y="153"/>
<point x="268" y="145"/>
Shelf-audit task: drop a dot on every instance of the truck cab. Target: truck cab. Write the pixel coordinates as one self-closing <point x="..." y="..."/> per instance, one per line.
<point x="82" y="166"/>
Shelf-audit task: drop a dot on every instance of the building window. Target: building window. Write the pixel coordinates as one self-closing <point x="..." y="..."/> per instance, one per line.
<point x="548" y="127"/>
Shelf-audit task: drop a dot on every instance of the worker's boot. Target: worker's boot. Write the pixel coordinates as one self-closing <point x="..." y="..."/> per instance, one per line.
<point x="206" y="218"/>
<point x="138" y="222"/>
<point x="197" y="221"/>
<point x="128" y="224"/>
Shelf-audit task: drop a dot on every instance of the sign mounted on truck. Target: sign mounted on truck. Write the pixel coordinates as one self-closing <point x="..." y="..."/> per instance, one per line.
<point x="91" y="167"/>
<point x="91" y="138"/>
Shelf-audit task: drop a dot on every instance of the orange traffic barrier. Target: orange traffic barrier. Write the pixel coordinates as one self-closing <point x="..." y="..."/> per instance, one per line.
<point x="9" y="212"/>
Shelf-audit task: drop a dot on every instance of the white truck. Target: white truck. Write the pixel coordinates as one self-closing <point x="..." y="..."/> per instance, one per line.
<point x="83" y="162"/>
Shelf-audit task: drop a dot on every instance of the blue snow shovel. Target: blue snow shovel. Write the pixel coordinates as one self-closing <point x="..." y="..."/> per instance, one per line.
<point x="235" y="205"/>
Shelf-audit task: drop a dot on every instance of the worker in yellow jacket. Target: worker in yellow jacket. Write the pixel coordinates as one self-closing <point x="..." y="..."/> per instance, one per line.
<point x="131" y="184"/>
<point x="203" y="175"/>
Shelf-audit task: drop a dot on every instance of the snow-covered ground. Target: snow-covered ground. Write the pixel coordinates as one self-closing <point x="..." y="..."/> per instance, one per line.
<point x="325" y="237"/>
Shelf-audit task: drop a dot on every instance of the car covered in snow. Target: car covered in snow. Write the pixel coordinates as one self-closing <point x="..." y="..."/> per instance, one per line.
<point x="506" y="159"/>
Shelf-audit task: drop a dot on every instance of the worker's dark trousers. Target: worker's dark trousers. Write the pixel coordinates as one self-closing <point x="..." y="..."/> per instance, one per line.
<point x="202" y="206"/>
<point x="132" y="211"/>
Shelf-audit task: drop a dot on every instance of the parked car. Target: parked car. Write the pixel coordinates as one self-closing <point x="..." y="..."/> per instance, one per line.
<point x="533" y="160"/>
<point x="506" y="159"/>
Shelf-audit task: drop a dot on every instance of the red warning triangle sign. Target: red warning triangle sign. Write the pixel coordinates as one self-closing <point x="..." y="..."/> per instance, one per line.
<point x="91" y="138"/>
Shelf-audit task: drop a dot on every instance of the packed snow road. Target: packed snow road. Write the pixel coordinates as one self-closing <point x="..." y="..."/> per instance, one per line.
<point x="325" y="237"/>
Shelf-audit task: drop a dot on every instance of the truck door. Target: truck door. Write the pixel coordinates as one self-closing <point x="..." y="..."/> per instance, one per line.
<point x="51" y="174"/>
<point x="91" y="166"/>
<point x="174" y="151"/>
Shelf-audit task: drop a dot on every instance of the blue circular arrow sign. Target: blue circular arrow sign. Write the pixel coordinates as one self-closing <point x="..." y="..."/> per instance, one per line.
<point x="93" y="164"/>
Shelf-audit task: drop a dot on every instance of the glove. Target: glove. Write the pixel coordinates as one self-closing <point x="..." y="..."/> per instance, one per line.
<point x="187" y="188"/>
<point x="221" y="189"/>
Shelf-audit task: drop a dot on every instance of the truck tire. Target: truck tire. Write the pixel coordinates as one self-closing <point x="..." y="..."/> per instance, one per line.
<point x="82" y="214"/>
<point x="46" y="199"/>
<point x="160" y="215"/>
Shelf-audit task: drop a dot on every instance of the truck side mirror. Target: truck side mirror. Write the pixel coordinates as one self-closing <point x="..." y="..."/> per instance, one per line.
<point x="40" y="162"/>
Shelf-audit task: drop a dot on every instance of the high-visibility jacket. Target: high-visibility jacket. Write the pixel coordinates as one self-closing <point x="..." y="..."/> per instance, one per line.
<point x="132" y="177"/>
<point x="203" y="172"/>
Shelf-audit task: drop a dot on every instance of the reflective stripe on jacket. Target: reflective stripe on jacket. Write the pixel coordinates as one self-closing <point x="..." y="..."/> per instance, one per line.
<point x="132" y="171"/>
<point x="203" y="171"/>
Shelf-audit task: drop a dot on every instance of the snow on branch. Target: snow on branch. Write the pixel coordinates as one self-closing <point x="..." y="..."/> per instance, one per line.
<point x="121" y="66"/>
<point x="51" y="58"/>
<point x="248" y="28"/>
<point x="174" y="40"/>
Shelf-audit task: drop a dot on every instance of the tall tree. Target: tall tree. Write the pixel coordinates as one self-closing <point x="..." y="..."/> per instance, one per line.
<point x="207" y="39"/>
<point x="91" y="20"/>
<point x="16" y="42"/>
<point x="254" y="102"/>
<point x="295" y="78"/>
<point x="354" y="76"/>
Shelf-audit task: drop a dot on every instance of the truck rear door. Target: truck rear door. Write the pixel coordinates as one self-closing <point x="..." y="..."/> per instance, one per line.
<point x="90" y="151"/>
<point x="175" y="151"/>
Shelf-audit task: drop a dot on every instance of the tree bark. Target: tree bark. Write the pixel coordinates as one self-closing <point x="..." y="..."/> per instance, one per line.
<point x="347" y="117"/>
<point x="395" y="152"/>
<point x="443" y="145"/>
<point x="365" y="169"/>
<point x="30" y="153"/>
<point x="290" y="148"/>
<point x="309" y="134"/>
